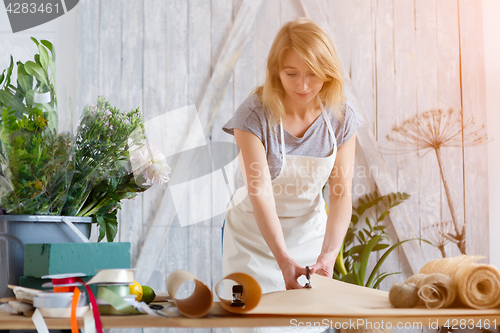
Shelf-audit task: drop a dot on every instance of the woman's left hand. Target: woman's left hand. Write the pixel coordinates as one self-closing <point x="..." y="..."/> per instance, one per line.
<point x="324" y="265"/>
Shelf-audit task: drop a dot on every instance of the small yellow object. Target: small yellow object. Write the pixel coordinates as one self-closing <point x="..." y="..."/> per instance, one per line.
<point x="136" y="289"/>
<point x="148" y="294"/>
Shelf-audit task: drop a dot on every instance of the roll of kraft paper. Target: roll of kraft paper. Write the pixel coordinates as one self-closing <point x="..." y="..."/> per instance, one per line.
<point x="435" y="290"/>
<point x="251" y="296"/>
<point x="200" y="302"/>
<point x="327" y="297"/>
<point x="478" y="285"/>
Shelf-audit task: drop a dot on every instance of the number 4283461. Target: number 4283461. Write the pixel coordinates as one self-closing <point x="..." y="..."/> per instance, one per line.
<point x="470" y="323"/>
<point x="25" y="7"/>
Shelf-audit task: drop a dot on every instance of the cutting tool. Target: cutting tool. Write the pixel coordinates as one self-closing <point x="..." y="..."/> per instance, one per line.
<point x="308" y="276"/>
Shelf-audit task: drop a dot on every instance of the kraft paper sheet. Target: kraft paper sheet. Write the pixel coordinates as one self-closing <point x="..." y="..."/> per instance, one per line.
<point x="327" y="297"/>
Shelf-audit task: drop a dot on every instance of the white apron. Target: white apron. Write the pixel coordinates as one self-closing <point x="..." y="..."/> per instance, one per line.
<point x="301" y="210"/>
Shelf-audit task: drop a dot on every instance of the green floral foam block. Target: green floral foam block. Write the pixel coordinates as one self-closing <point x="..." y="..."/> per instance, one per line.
<point x="86" y="258"/>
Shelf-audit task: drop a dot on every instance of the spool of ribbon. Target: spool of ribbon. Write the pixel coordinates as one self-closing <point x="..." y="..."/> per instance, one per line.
<point x="113" y="285"/>
<point x="63" y="283"/>
<point x="50" y="299"/>
<point x="113" y="293"/>
<point x="123" y="276"/>
<point x="63" y="312"/>
<point x="116" y="299"/>
<point x="111" y="301"/>
<point x="41" y="326"/>
<point x="69" y="282"/>
<point x="61" y="305"/>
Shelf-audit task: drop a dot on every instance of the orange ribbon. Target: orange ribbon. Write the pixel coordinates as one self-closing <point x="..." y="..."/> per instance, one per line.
<point x="74" y="305"/>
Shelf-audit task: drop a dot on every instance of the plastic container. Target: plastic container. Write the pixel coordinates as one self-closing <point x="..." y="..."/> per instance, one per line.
<point x="17" y="230"/>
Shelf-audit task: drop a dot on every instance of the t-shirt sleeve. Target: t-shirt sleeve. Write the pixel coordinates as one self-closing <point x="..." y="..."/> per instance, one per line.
<point x="352" y="120"/>
<point x="248" y="119"/>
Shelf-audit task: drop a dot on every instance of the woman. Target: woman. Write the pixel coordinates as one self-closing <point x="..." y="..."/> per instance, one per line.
<point x="295" y="134"/>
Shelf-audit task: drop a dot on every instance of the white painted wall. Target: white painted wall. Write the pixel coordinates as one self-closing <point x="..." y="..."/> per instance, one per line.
<point x="62" y="33"/>
<point x="491" y="25"/>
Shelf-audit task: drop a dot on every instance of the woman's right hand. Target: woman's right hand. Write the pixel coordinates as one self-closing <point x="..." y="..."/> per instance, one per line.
<point x="291" y="271"/>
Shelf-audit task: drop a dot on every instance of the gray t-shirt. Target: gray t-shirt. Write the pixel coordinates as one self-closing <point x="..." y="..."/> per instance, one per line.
<point x="316" y="142"/>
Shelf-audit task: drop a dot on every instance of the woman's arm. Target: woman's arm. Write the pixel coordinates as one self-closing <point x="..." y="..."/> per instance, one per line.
<point x="340" y="208"/>
<point x="258" y="181"/>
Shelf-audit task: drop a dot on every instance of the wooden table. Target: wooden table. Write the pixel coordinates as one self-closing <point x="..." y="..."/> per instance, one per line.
<point x="218" y="317"/>
<point x="329" y="304"/>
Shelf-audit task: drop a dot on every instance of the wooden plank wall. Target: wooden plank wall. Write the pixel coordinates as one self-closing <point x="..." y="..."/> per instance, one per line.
<point x="404" y="57"/>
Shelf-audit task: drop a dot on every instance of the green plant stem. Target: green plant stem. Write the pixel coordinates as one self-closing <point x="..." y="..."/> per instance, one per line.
<point x="94" y="207"/>
<point x="86" y="208"/>
<point x="365" y="255"/>
<point x="94" y="210"/>
<point x="340" y="261"/>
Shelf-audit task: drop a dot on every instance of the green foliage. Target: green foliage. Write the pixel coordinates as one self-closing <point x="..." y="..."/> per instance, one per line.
<point x="45" y="173"/>
<point x="102" y="172"/>
<point x="361" y="241"/>
<point x="34" y="159"/>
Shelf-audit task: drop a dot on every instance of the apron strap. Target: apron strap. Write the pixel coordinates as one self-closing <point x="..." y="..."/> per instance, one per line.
<point x="283" y="151"/>
<point x="330" y="128"/>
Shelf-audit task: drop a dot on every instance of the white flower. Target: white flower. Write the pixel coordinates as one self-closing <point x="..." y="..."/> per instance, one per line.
<point x="151" y="164"/>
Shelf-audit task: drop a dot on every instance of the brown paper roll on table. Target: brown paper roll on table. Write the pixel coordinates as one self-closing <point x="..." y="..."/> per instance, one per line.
<point x="329" y="301"/>
<point x="478" y="285"/>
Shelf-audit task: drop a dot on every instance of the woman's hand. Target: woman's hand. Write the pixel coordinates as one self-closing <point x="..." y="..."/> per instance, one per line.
<point x="324" y="265"/>
<point x="291" y="271"/>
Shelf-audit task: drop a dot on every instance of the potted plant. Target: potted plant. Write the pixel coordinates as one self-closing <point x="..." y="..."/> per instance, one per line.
<point x="361" y="241"/>
<point x="55" y="181"/>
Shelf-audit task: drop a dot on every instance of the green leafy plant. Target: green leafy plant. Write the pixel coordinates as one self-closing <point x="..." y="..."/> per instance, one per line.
<point x="103" y="174"/>
<point x="37" y="166"/>
<point x="35" y="161"/>
<point x="361" y="242"/>
<point x="43" y="172"/>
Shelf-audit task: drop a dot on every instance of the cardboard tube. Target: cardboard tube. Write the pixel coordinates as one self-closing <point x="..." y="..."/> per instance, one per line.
<point x="199" y="303"/>
<point x="251" y="293"/>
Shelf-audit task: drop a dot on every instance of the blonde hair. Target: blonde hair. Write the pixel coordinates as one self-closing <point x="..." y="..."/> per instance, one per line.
<point x="316" y="49"/>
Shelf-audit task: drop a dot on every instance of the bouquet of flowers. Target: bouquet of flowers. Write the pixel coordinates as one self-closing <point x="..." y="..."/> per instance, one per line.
<point x="43" y="172"/>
